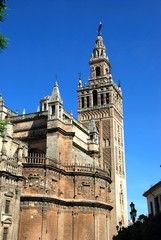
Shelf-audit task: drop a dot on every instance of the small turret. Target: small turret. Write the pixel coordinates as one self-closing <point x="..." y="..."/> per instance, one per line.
<point x="93" y="132"/>
<point x="93" y="143"/>
<point x="55" y="96"/>
<point x="44" y="103"/>
<point x="55" y="104"/>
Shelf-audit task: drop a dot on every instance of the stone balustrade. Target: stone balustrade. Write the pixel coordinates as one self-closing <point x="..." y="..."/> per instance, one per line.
<point x="38" y="158"/>
<point x="11" y="165"/>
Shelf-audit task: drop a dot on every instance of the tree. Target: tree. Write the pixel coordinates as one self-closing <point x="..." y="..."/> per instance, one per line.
<point x="146" y="228"/>
<point x="3" y="40"/>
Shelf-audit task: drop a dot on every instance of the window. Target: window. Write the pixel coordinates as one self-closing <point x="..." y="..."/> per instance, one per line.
<point x="5" y="234"/>
<point x="7" y="206"/>
<point x="95" y="98"/>
<point x="44" y="106"/>
<point x="87" y="101"/>
<point x="151" y="209"/>
<point x="98" y="72"/>
<point x="82" y="102"/>
<point x="53" y="110"/>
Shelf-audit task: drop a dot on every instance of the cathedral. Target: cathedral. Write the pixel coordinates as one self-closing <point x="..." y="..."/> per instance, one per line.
<point x="63" y="178"/>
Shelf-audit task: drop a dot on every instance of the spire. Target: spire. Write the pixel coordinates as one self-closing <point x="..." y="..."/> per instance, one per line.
<point x="55" y="108"/>
<point x="99" y="62"/>
<point x="99" y="50"/>
<point x="55" y="96"/>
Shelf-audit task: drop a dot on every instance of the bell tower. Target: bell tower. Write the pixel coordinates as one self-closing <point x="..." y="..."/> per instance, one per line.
<point x="101" y="101"/>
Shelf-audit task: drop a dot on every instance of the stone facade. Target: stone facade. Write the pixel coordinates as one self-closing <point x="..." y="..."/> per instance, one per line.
<point x="153" y="197"/>
<point x="11" y="180"/>
<point x="69" y="177"/>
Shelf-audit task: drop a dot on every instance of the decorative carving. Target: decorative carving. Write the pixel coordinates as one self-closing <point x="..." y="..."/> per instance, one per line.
<point x="107" y="158"/>
<point x="85" y="188"/>
<point x="106" y="129"/>
<point x="36" y="182"/>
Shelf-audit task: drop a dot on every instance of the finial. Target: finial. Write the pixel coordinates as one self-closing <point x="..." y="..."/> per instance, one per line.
<point x="99" y="29"/>
<point x="119" y="83"/>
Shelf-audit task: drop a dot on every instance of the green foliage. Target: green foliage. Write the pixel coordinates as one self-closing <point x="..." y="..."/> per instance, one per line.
<point x="2" y="9"/>
<point x="3" y="40"/>
<point x="149" y="229"/>
<point x="3" y="124"/>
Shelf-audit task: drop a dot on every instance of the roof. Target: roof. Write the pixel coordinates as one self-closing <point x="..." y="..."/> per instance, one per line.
<point x="150" y="190"/>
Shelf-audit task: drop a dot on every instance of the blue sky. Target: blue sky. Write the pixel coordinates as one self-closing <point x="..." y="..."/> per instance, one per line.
<point x="51" y="40"/>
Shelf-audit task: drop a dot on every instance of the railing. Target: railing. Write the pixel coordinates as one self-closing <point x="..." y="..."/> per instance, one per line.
<point x="11" y="166"/>
<point x="86" y="168"/>
<point x="38" y="158"/>
<point x="28" y="116"/>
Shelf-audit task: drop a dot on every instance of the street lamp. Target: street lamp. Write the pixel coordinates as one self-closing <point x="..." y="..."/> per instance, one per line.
<point x="133" y="211"/>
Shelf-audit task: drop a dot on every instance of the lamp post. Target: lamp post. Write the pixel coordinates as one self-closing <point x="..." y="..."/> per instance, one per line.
<point x="133" y="212"/>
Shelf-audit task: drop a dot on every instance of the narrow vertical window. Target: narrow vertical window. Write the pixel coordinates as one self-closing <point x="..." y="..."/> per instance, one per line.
<point x="44" y="106"/>
<point x="87" y="101"/>
<point x="98" y="72"/>
<point x="7" y="206"/>
<point x="95" y="99"/>
<point x="53" y="110"/>
<point x="151" y="209"/>
<point x="82" y="102"/>
<point x="5" y="234"/>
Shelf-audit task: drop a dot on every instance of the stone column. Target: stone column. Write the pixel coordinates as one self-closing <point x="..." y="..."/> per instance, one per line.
<point x="91" y="100"/>
<point x="74" y="225"/>
<point x="99" y="99"/>
<point x="43" y="226"/>
<point x="95" y="216"/>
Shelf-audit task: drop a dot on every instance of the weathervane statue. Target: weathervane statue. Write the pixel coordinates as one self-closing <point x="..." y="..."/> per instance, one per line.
<point x="99" y="29"/>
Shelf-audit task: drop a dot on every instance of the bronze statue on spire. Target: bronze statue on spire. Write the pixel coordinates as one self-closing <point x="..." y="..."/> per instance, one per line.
<point x="99" y="29"/>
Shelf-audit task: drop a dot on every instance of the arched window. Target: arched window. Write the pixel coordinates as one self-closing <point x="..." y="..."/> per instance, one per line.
<point x="95" y="99"/>
<point x="98" y="72"/>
